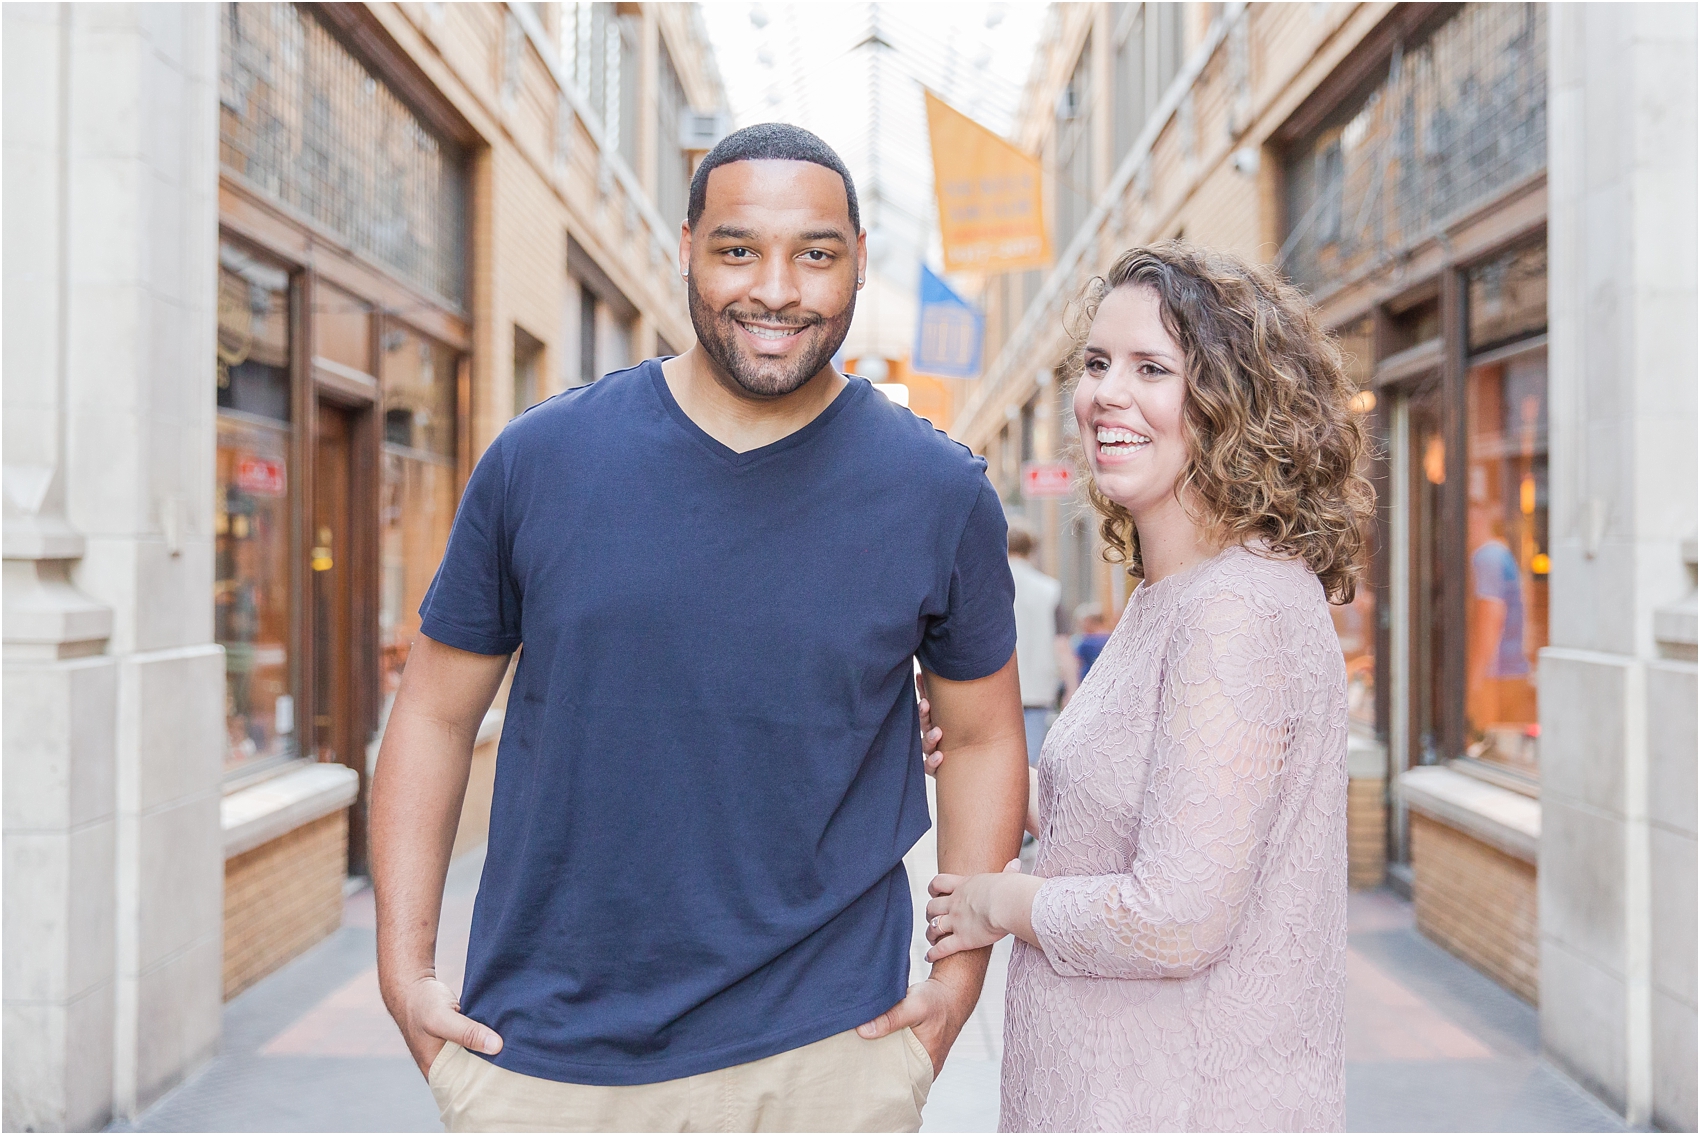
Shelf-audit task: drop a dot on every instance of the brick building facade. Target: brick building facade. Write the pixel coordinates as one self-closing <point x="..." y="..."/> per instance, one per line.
<point x="1521" y="663"/>
<point x="302" y="263"/>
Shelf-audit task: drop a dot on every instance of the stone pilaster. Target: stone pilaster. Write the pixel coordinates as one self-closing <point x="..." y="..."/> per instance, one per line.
<point x="60" y="684"/>
<point x="114" y="687"/>
<point x="1617" y="693"/>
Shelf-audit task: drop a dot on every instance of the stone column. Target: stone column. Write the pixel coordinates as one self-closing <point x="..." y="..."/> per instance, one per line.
<point x="114" y="686"/>
<point x="1617" y="686"/>
<point x="60" y="687"/>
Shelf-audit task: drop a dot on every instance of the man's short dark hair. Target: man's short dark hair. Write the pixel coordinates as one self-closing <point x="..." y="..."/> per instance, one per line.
<point x="770" y="141"/>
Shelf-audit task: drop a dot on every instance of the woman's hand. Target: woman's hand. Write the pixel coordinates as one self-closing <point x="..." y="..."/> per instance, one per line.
<point x="931" y="758"/>
<point x="970" y="911"/>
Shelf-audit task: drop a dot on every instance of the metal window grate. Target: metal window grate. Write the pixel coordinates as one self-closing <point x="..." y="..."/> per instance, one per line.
<point x="303" y="121"/>
<point x="1458" y="118"/>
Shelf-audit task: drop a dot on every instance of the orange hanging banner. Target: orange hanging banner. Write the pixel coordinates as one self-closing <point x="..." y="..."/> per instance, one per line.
<point x="991" y="214"/>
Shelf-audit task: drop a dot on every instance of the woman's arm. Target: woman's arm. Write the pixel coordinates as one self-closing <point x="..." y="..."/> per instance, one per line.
<point x="1223" y="735"/>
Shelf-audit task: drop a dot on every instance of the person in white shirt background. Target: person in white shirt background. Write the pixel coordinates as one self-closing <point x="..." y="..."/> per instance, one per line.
<point x="1043" y="652"/>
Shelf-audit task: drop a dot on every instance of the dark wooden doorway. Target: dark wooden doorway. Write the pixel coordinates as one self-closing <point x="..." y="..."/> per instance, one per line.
<point x="338" y="571"/>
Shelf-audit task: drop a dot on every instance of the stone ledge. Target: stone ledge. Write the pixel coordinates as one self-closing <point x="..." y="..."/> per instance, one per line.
<point x="1497" y="816"/>
<point x="1677" y="625"/>
<point x="259" y="814"/>
<point x="1366" y="758"/>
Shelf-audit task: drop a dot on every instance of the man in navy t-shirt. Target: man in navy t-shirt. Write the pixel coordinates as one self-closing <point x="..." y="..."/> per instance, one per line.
<point x="694" y="912"/>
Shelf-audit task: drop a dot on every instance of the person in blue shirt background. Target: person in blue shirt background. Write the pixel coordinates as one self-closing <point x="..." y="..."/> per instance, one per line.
<point x="693" y="912"/>
<point x="1094" y="633"/>
<point x="1500" y="689"/>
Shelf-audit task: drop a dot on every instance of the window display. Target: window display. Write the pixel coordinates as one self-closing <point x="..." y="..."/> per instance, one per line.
<point x="1355" y="622"/>
<point x="251" y="592"/>
<point x="1506" y="545"/>
<point x="419" y="390"/>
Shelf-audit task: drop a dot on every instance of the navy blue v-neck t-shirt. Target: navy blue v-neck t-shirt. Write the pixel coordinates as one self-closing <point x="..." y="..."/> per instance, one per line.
<point x="710" y="768"/>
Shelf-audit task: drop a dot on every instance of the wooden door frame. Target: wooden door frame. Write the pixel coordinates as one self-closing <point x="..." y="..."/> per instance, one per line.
<point x="307" y="253"/>
<point x="304" y="411"/>
<point x="1411" y="371"/>
<point x="362" y="556"/>
<point x="325" y="383"/>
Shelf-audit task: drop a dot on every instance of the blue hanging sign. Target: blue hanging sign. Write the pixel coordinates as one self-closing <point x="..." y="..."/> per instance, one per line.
<point x="948" y="331"/>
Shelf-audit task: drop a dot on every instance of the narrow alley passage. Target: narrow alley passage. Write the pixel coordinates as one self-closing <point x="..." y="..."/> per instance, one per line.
<point x="1431" y="1044"/>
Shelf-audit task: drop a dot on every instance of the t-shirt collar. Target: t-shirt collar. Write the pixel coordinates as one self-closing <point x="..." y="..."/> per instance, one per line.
<point x="854" y="388"/>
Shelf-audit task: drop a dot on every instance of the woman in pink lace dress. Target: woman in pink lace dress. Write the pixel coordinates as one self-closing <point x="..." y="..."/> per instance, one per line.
<point x="1181" y="962"/>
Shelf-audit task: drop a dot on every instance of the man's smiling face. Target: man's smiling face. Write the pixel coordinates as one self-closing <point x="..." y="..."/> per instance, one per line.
<point x="773" y="266"/>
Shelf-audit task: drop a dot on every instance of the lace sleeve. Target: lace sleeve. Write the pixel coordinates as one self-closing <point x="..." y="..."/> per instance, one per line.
<point x="1222" y="736"/>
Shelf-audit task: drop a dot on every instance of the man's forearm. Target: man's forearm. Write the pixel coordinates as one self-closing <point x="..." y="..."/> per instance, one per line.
<point x="416" y="801"/>
<point x="982" y="792"/>
<point x="982" y="805"/>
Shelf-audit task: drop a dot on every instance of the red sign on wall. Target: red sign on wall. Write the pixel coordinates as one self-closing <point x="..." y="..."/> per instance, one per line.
<point x="259" y="476"/>
<point x="1047" y="479"/>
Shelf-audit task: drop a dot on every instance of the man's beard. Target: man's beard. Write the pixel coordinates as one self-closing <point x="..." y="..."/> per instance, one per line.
<point x="719" y="335"/>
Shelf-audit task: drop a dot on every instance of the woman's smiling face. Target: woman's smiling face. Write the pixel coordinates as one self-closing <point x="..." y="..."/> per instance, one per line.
<point x="1129" y="402"/>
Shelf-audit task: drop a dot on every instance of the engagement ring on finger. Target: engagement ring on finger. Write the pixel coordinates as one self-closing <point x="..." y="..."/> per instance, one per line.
<point x="934" y="922"/>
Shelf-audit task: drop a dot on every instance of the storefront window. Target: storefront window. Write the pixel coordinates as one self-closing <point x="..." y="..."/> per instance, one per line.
<point x="1508" y="297"/>
<point x="253" y="337"/>
<point x="1425" y="485"/>
<point x="1354" y="622"/>
<point x="1506" y="513"/>
<point x="1454" y="119"/>
<point x="251" y="592"/>
<point x="303" y="121"/>
<point x="419" y="390"/>
<point x="1505" y="418"/>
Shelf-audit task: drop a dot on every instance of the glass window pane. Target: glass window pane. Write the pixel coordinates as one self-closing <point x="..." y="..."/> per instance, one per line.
<point x="1425" y="483"/>
<point x="1354" y="622"/>
<point x="613" y="342"/>
<point x="528" y="386"/>
<point x="1508" y="297"/>
<point x="419" y="382"/>
<point x="418" y="508"/>
<point x="1506" y="603"/>
<point x="1129" y="76"/>
<point x="1074" y="141"/>
<point x="1357" y="348"/>
<point x="303" y="121"/>
<point x="673" y="164"/>
<point x="253" y="338"/>
<point x="1451" y="121"/>
<point x="251" y="589"/>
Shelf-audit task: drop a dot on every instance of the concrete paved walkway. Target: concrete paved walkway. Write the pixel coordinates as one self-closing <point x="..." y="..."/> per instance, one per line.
<point x="1431" y="1044"/>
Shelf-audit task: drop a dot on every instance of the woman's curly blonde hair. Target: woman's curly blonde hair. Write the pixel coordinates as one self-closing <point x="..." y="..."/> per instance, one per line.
<point x="1273" y="446"/>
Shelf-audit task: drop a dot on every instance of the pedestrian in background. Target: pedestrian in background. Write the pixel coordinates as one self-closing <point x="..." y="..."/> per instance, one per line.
<point x="694" y="913"/>
<point x="1048" y="669"/>
<point x="1181" y="963"/>
<point x="1094" y="633"/>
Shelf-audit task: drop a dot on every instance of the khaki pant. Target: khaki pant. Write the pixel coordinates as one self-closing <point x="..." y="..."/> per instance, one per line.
<point x="842" y="1083"/>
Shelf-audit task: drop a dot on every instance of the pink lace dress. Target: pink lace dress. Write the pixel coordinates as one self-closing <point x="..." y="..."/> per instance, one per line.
<point x="1192" y="805"/>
